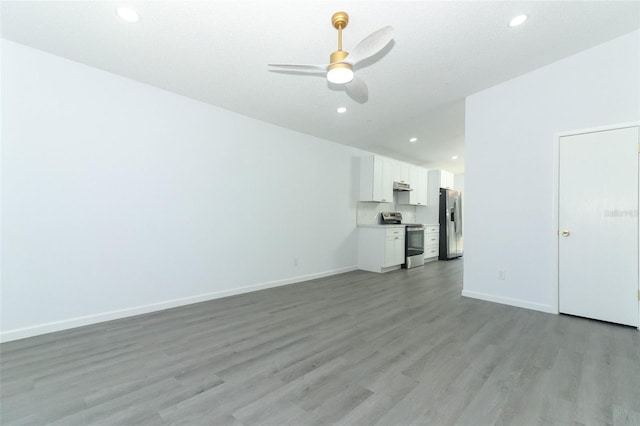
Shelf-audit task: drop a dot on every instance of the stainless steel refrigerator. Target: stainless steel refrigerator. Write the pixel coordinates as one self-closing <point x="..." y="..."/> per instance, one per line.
<point x="451" y="242"/>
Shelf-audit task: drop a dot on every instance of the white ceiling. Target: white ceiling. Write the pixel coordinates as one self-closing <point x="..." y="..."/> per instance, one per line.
<point x="217" y="51"/>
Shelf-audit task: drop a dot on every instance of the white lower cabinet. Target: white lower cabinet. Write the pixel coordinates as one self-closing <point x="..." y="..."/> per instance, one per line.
<point x="394" y="249"/>
<point x="431" y="242"/>
<point x="380" y="249"/>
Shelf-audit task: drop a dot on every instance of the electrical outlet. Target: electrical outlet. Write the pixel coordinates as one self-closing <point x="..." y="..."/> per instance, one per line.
<point x="295" y="261"/>
<point x="502" y="274"/>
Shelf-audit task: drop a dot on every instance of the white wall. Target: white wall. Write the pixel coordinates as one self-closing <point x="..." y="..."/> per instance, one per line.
<point x="509" y="165"/>
<point x="120" y="198"/>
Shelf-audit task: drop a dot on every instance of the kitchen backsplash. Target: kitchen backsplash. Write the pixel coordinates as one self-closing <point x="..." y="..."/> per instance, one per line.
<point x="369" y="213"/>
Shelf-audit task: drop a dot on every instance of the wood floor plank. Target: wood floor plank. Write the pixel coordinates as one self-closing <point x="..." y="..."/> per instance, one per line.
<point x="352" y="349"/>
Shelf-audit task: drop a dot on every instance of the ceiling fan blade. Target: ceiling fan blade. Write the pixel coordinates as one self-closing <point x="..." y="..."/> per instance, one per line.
<point x="371" y="45"/>
<point x="304" y="73"/>
<point x="300" y="66"/>
<point x="357" y="90"/>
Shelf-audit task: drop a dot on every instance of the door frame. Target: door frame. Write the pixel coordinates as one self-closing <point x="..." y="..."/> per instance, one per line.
<point x="555" y="214"/>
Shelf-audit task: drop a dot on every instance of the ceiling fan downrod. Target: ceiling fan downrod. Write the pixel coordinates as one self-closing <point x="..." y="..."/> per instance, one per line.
<point x="340" y="20"/>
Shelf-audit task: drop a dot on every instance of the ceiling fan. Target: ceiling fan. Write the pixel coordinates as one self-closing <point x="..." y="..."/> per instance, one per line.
<point x="339" y="70"/>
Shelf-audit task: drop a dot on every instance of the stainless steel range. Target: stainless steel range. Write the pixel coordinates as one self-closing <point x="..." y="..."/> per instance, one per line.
<point x="413" y="241"/>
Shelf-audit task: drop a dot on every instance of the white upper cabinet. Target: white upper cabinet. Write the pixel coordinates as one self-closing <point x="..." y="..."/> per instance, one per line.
<point x="421" y="188"/>
<point x="377" y="175"/>
<point x="418" y="179"/>
<point x="376" y="179"/>
<point x="413" y="177"/>
<point x="441" y="179"/>
<point x="446" y="179"/>
<point x="401" y="172"/>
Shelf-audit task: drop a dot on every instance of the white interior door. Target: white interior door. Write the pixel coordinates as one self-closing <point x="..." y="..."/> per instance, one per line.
<point x="598" y="222"/>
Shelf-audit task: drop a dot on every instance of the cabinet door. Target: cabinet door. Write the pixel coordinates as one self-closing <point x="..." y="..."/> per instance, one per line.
<point x="387" y="182"/>
<point x="389" y="252"/>
<point x="376" y="181"/>
<point x="394" y="247"/>
<point x="401" y="172"/>
<point x="415" y="185"/>
<point x="413" y="176"/>
<point x="399" y="250"/>
<point x="418" y="179"/>
<point x="421" y="187"/>
<point x="446" y="180"/>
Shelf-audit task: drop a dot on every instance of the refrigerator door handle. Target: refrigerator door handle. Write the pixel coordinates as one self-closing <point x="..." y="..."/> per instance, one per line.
<point x="454" y="219"/>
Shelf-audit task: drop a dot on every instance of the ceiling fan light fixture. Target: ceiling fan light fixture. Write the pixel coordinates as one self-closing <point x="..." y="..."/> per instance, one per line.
<point x="340" y="74"/>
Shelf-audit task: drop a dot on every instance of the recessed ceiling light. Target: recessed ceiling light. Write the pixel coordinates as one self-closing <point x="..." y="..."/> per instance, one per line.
<point x="413" y="139"/>
<point x="127" y="14"/>
<point x="517" y="20"/>
<point x="455" y="157"/>
<point x="342" y="110"/>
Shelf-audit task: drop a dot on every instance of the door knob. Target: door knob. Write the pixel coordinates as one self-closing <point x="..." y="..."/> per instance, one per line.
<point x="565" y="233"/>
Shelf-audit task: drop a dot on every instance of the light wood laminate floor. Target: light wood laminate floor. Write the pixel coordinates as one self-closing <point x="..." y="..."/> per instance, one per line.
<point x="356" y="348"/>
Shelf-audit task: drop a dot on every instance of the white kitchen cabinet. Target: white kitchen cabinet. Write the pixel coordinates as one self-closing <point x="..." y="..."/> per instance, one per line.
<point x="413" y="177"/>
<point x="418" y="179"/>
<point x="447" y="181"/>
<point x="381" y="248"/>
<point x="436" y="179"/>
<point x="376" y="179"/>
<point x="431" y="242"/>
<point x="422" y="188"/>
<point x="394" y="247"/>
<point x="442" y="178"/>
<point x="401" y="172"/>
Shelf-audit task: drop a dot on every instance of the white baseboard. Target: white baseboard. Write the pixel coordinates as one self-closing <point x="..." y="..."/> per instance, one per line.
<point x="36" y="330"/>
<point x="508" y="301"/>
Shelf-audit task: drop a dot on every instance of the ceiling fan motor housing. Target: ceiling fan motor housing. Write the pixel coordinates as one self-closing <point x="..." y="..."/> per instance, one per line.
<point x="339" y="56"/>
